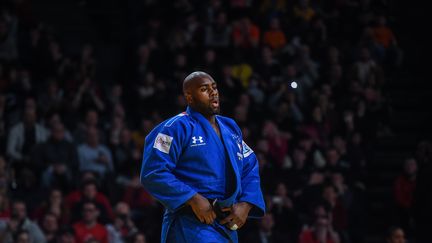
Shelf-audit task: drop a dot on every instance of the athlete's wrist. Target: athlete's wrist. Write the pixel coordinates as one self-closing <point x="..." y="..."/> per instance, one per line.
<point x="246" y="205"/>
<point x="194" y="199"/>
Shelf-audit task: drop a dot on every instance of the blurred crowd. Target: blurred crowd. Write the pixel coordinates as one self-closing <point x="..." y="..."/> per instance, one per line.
<point x="303" y="79"/>
<point x="411" y="193"/>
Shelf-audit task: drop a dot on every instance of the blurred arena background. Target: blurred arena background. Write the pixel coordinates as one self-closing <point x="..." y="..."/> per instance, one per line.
<point x="333" y="96"/>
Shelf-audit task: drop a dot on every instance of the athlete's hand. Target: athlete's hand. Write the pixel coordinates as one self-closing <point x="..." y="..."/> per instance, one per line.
<point x="202" y="209"/>
<point x="238" y="215"/>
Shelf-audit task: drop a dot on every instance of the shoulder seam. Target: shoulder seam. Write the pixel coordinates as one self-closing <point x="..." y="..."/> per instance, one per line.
<point x="174" y="119"/>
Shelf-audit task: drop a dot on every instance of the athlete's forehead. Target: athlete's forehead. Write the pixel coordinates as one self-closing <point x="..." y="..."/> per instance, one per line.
<point x="196" y="80"/>
<point x="205" y="81"/>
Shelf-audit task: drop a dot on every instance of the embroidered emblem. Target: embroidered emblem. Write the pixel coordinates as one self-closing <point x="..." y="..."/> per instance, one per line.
<point x="246" y="150"/>
<point x="163" y="143"/>
<point x="197" y="141"/>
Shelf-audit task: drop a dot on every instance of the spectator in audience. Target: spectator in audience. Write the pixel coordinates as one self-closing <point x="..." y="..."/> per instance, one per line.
<point x="423" y="153"/>
<point x="89" y="193"/>
<point x="422" y="198"/>
<point x="265" y="233"/>
<point x="217" y="34"/>
<point x="345" y="195"/>
<point x="20" y="222"/>
<point x="22" y="236"/>
<point x="50" y="226"/>
<point x="306" y="65"/>
<point x="4" y="208"/>
<point x="277" y="142"/>
<point x="384" y="36"/>
<point x="317" y="33"/>
<point x="53" y="119"/>
<point x="267" y="171"/>
<point x="24" y="136"/>
<point x="311" y="193"/>
<point x="53" y="205"/>
<point x="356" y="152"/>
<point x="338" y="213"/>
<point x="91" y="119"/>
<point x="245" y="34"/>
<point x="404" y="187"/>
<point x="319" y="127"/>
<point x="321" y="230"/>
<point x="395" y="235"/>
<point x="334" y="162"/>
<point x="59" y="157"/>
<point x="94" y="156"/>
<point x="123" y="226"/>
<point x="66" y="234"/>
<point x="58" y="174"/>
<point x="365" y="67"/>
<point x="210" y="61"/>
<point x="304" y="11"/>
<point x="283" y="212"/>
<point x="138" y="237"/>
<point x="116" y="125"/>
<point x="88" y="227"/>
<point x="57" y="149"/>
<point x="298" y="175"/>
<point x="141" y="203"/>
<point x="52" y="100"/>
<point x="126" y="154"/>
<point x="8" y="37"/>
<point x="4" y="211"/>
<point x="269" y="69"/>
<point x="139" y="135"/>
<point x="88" y="95"/>
<point x="116" y="95"/>
<point x="274" y="36"/>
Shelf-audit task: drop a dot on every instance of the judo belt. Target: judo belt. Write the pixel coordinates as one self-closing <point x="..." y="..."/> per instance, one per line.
<point x="187" y="210"/>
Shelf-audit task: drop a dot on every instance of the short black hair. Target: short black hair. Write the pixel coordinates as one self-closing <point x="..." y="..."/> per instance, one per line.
<point x="65" y="229"/>
<point x="390" y="231"/>
<point x="89" y="182"/>
<point x="194" y="75"/>
<point x="18" y="233"/>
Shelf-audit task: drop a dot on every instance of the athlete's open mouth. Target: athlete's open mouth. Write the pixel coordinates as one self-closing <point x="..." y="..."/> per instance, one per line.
<point x="215" y="102"/>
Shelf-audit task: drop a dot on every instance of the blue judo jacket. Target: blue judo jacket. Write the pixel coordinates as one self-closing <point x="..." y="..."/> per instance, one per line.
<point x="184" y="156"/>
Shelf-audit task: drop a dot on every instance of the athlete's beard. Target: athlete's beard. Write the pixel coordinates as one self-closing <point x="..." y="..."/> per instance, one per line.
<point x="215" y="111"/>
<point x="206" y="109"/>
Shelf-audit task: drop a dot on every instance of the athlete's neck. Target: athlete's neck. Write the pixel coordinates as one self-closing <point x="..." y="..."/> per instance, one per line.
<point x="211" y="119"/>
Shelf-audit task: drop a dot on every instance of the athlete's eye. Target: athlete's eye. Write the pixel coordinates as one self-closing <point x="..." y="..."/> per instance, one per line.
<point x="203" y="89"/>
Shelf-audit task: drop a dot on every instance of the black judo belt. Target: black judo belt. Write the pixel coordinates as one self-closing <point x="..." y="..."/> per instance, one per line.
<point x="220" y="215"/>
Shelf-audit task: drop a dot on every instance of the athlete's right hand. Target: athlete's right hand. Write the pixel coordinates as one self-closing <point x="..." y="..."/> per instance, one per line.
<point x="202" y="208"/>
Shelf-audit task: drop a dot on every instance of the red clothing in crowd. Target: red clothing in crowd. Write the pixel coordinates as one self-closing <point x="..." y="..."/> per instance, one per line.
<point x="278" y="148"/>
<point x="340" y="216"/>
<point x="403" y="190"/>
<point x="5" y="214"/>
<point x="83" y="233"/>
<point x="317" y="131"/>
<point x="137" y="197"/>
<point x="275" y="39"/>
<point x="307" y="236"/>
<point x="43" y="209"/>
<point x="383" y="35"/>
<point x="76" y="197"/>
<point x="246" y="38"/>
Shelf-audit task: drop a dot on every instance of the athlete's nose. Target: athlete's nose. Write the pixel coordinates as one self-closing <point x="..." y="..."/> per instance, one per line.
<point x="213" y="91"/>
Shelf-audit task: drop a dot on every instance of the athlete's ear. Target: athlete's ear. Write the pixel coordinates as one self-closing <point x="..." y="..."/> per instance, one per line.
<point x="188" y="97"/>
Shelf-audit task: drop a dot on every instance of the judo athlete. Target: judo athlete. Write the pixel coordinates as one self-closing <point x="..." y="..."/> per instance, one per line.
<point x="198" y="166"/>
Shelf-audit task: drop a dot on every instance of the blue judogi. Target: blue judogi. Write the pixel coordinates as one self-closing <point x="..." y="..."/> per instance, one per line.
<point x="184" y="156"/>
